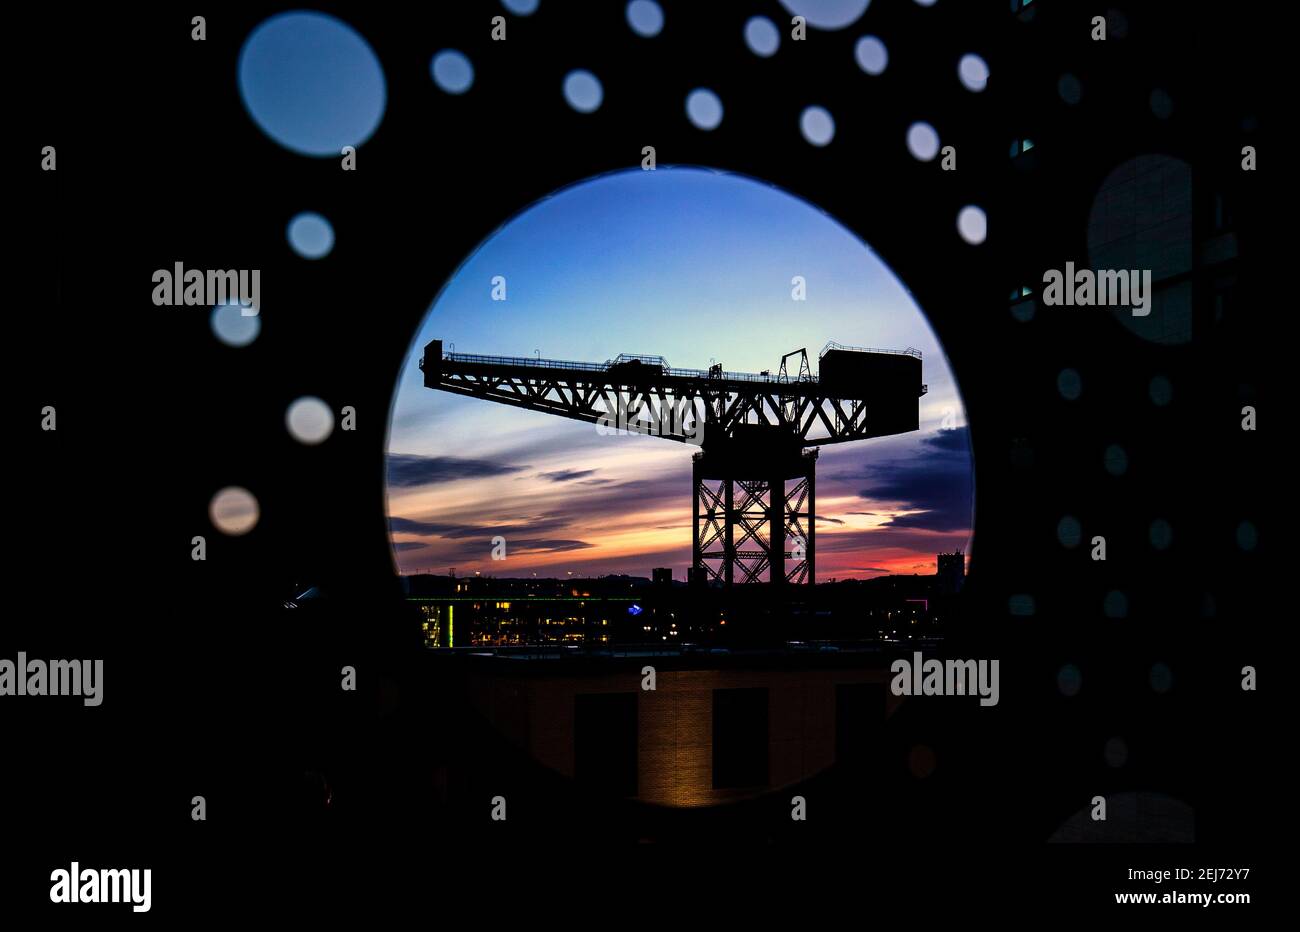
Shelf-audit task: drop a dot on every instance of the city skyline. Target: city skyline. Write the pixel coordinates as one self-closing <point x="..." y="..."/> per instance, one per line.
<point x="558" y="574"/>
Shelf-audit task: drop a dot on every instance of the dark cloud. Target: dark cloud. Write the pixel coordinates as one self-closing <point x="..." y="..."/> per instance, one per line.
<point x="955" y="441"/>
<point x="852" y="541"/>
<point x="409" y="526"/>
<point x="827" y="520"/>
<point x="517" y="551"/>
<point x="597" y="507"/>
<point x="545" y="546"/>
<point x="409" y="545"/>
<point x="557" y="436"/>
<point x="507" y="530"/>
<point x="937" y="482"/>
<point x="486" y="531"/>
<point x="567" y="475"/>
<point x="409" y="470"/>
<point x="559" y="530"/>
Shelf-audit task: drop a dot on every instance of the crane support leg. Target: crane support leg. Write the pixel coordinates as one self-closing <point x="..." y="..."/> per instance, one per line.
<point x="750" y="528"/>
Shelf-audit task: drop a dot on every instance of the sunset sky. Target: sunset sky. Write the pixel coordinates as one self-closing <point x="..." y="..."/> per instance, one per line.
<point x="695" y="266"/>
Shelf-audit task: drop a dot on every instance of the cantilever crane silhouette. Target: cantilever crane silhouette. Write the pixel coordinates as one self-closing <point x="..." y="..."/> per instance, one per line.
<point x="754" y="478"/>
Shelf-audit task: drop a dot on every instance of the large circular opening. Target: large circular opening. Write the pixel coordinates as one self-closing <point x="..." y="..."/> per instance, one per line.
<point x="781" y="429"/>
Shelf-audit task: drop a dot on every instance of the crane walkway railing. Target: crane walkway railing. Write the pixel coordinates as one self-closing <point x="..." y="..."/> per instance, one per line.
<point x="910" y="351"/>
<point x="623" y="366"/>
<point x="653" y="365"/>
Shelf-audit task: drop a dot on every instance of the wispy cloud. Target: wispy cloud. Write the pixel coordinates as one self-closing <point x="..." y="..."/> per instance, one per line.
<point x="548" y="546"/>
<point x="410" y="470"/>
<point x="567" y="475"/>
<point x="463" y="531"/>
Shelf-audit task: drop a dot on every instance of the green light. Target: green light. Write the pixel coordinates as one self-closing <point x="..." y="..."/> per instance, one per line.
<point x="522" y="598"/>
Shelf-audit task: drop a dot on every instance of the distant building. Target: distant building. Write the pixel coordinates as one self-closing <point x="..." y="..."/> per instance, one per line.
<point x="662" y="575"/>
<point x="952" y="571"/>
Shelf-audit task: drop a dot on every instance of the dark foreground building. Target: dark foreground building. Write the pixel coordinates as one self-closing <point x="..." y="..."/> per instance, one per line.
<point x="715" y="728"/>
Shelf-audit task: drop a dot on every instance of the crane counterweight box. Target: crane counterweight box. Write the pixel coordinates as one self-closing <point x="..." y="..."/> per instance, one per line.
<point x="890" y="381"/>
